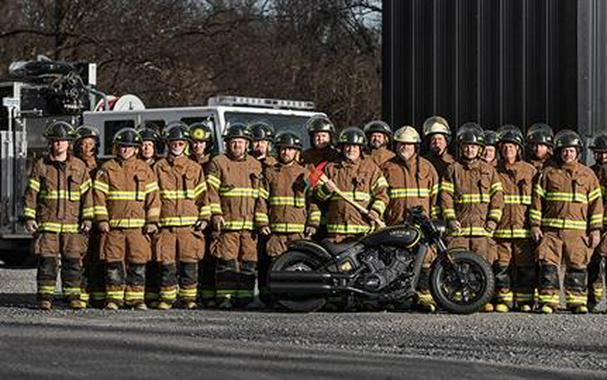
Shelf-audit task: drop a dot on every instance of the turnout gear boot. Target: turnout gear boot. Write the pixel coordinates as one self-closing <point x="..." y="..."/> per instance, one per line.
<point x="77" y="305"/>
<point x="45" y="305"/>
<point x="111" y="306"/>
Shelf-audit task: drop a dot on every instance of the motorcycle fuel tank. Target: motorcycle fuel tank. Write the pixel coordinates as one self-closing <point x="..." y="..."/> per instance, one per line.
<point x="404" y="236"/>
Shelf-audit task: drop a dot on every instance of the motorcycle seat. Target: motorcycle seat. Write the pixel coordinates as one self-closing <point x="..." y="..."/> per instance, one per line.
<point x="336" y="249"/>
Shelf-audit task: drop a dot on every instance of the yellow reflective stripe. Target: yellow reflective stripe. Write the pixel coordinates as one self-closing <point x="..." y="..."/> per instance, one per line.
<point x="33" y="184"/>
<point x="59" y="194"/>
<point x="238" y="225"/>
<point x="449" y="213"/>
<point x="29" y="212"/>
<point x="348" y="229"/>
<point x="205" y="211"/>
<point x="594" y="194"/>
<point x="539" y="190"/>
<point x="287" y="201"/>
<point x="168" y="294"/>
<point x="215" y="208"/>
<point x="504" y="296"/>
<point x="495" y="187"/>
<point x="381" y="182"/>
<point x="435" y="189"/>
<point x="517" y="199"/>
<point x="396" y="193"/>
<point x="575" y="299"/>
<point x="178" y="221"/>
<point x="200" y="189"/>
<point x="261" y="218"/>
<point x="88" y="212"/>
<point x="523" y="297"/>
<point x="115" y="195"/>
<point x="355" y="195"/>
<point x="566" y="197"/>
<point x="512" y="233"/>
<point x="596" y="219"/>
<point x="565" y="223"/>
<point x="190" y="293"/>
<point x="69" y="291"/>
<point x="127" y="223"/>
<point x="379" y="206"/>
<point x="130" y="295"/>
<point x="238" y="192"/>
<point x="59" y="227"/>
<point x="314" y="216"/>
<point x="213" y="181"/>
<point x="151" y="187"/>
<point x="447" y="186"/>
<point x="178" y="194"/>
<point x="495" y="214"/>
<point x="86" y="186"/>
<point x="46" y="289"/>
<point x="100" y="210"/>
<point x="115" y="294"/>
<point x="323" y="193"/>
<point x="264" y="194"/>
<point x="101" y="186"/>
<point x="535" y="215"/>
<point x="471" y="231"/>
<point x="472" y="198"/>
<point x="287" y="228"/>
<point x="435" y="212"/>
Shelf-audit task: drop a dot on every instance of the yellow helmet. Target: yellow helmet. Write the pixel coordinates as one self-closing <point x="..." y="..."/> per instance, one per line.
<point x="408" y="135"/>
<point x="436" y="124"/>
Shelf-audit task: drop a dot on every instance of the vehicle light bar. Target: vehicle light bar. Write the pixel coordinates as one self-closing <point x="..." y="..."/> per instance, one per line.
<point x="260" y="102"/>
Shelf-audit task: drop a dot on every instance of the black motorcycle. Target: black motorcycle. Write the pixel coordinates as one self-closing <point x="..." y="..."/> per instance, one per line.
<point x="382" y="268"/>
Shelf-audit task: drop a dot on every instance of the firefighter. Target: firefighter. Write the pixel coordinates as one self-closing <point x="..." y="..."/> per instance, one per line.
<point x="540" y="142"/>
<point x="438" y="137"/>
<point x="379" y="135"/>
<point x="412" y="181"/>
<point x="184" y="214"/>
<point x="288" y="206"/>
<point x="262" y="135"/>
<point x="58" y="210"/>
<point x="596" y="267"/>
<point x="361" y="181"/>
<point x="201" y="144"/>
<point x="566" y="219"/>
<point x="201" y="141"/>
<point x="322" y="133"/>
<point x="233" y="180"/>
<point x="86" y="148"/>
<point x="127" y="208"/>
<point x="490" y="148"/>
<point x="515" y="268"/>
<point x="472" y="199"/>
<point x="150" y="144"/>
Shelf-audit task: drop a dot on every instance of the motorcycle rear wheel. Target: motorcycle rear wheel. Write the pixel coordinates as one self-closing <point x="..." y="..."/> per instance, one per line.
<point x="463" y="287"/>
<point x="298" y="261"/>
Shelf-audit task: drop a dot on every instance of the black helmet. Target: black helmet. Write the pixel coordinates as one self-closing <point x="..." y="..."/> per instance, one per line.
<point x="260" y="130"/>
<point x="490" y="138"/>
<point x="59" y="130"/>
<point x="470" y="133"/>
<point x="511" y="134"/>
<point x="288" y="140"/>
<point x="149" y="134"/>
<point x="320" y="123"/>
<point x="377" y="126"/>
<point x="127" y="137"/>
<point x="540" y="133"/>
<point x="85" y="131"/>
<point x="568" y="138"/>
<point x="352" y="136"/>
<point x="176" y="132"/>
<point x="599" y="144"/>
<point x="202" y="131"/>
<point x="237" y="130"/>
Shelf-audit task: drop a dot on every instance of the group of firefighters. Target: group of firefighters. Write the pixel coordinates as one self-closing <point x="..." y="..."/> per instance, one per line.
<point x="187" y="228"/>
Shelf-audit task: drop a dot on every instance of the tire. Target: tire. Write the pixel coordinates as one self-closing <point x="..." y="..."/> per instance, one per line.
<point x="296" y="260"/>
<point x="462" y="298"/>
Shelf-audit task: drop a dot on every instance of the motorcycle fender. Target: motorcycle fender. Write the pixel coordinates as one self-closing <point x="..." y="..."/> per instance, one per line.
<point x="312" y="248"/>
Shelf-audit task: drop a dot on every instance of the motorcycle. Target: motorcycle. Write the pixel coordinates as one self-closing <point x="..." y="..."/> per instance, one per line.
<point x="382" y="268"/>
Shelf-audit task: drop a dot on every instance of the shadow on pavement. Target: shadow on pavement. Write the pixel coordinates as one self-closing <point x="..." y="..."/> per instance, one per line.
<point x="21" y="300"/>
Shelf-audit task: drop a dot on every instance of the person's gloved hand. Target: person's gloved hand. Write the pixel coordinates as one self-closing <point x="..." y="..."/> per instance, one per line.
<point x="86" y="226"/>
<point x="201" y="225"/>
<point x="150" y="228"/>
<point x="594" y="238"/>
<point x="265" y="230"/>
<point x="536" y="234"/>
<point x="490" y="226"/>
<point x="218" y="222"/>
<point x="309" y="232"/>
<point x="31" y="226"/>
<point x="104" y="227"/>
<point x="454" y="225"/>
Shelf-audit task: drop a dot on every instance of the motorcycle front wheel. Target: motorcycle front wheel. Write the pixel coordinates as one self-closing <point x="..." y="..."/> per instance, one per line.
<point x="462" y="285"/>
<point x="298" y="261"/>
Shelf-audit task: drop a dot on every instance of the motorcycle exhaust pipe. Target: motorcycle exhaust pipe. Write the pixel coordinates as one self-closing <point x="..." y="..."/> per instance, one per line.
<point x="295" y="288"/>
<point x="299" y="276"/>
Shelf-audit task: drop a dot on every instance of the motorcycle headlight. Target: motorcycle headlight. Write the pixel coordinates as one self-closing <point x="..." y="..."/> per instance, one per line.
<point x="440" y="225"/>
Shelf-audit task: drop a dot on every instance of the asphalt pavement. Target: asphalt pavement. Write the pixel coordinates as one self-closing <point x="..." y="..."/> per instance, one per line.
<point x="271" y="345"/>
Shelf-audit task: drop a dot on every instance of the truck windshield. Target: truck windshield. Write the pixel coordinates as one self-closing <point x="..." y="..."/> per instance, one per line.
<point x="281" y="123"/>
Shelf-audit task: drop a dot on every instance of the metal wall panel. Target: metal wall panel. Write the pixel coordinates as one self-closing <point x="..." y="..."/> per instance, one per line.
<point x="496" y="62"/>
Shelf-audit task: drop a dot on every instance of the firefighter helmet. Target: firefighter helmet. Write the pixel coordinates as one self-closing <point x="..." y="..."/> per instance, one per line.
<point x="261" y="130"/>
<point x="352" y="136"/>
<point x="320" y="123"/>
<point x="127" y="137"/>
<point x="60" y="130"/>
<point x="202" y="131"/>
<point x="150" y="134"/>
<point x="436" y="124"/>
<point x="176" y="132"/>
<point x="288" y="140"/>
<point x="470" y="133"/>
<point x="378" y="126"/>
<point x="599" y="144"/>
<point x="407" y="135"/>
<point x="567" y="138"/>
<point x="490" y="138"/>
<point x="540" y="133"/>
<point x="237" y="130"/>
<point x="511" y="134"/>
<point x="85" y="131"/>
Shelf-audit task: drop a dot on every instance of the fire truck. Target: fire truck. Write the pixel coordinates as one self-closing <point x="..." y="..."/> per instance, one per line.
<point x="36" y="93"/>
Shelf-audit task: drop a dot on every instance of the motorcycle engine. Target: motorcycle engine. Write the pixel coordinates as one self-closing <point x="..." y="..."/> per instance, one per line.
<point x="387" y="267"/>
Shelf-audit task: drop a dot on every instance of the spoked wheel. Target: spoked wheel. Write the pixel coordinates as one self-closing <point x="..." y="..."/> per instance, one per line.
<point x="463" y="285"/>
<point x="295" y="261"/>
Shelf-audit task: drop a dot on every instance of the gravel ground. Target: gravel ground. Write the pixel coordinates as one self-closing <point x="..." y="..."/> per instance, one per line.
<point x="272" y="345"/>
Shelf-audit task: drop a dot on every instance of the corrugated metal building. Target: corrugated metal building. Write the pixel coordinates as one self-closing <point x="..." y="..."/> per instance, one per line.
<point x="496" y="62"/>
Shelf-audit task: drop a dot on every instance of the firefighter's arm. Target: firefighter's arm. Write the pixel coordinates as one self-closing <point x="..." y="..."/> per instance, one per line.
<point x="86" y="196"/>
<point x="434" y="193"/>
<point x="261" y="204"/>
<point x="595" y="205"/>
<point x="202" y="199"/>
<point x="213" y="179"/>
<point x="537" y="201"/>
<point x="30" y="200"/>
<point x="152" y="198"/>
<point x="313" y="209"/>
<point x="496" y="202"/>
<point x="446" y="196"/>
<point x="101" y="189"/>
<point x="324" y="189"/>
<point x="379" y="193"/>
